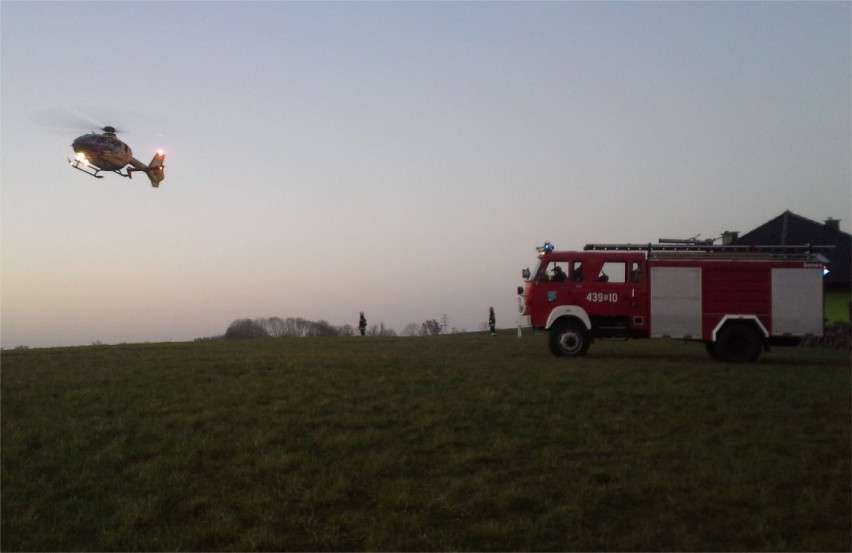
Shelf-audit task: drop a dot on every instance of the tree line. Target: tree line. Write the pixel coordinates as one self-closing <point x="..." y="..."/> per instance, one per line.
<point x="297" y="327"/>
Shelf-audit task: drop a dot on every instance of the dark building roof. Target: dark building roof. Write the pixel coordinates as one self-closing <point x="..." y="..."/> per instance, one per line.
<point x="790" y="229"/>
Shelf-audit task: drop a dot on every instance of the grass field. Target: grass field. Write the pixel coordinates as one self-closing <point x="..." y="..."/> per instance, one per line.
<point x="463" y="442"/>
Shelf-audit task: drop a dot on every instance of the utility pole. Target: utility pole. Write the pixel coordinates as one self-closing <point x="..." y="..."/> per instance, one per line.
<point x="444" y="320"/>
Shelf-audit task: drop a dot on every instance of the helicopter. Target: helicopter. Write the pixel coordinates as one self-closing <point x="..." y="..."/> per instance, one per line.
<point x="95" y="152"/>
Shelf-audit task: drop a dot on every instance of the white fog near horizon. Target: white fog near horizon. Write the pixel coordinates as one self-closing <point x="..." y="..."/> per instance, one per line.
<point x="401" y="159"/>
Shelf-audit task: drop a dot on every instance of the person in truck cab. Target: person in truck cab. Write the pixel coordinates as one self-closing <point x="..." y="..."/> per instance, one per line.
<point x="559" y="275"/>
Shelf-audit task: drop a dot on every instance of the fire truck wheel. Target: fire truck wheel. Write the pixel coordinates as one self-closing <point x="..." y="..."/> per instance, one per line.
<point x="738" y="343"/>
<point x="568" y="339"/>
<point x="711" y="350"/>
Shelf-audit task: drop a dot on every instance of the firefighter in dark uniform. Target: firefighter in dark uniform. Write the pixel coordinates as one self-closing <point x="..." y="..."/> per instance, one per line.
<point x="362" y="323"/>
<point x="492" y="320"/>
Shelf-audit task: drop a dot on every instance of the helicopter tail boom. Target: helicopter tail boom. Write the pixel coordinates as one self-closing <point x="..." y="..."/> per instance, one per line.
<point x="155" y="169"/>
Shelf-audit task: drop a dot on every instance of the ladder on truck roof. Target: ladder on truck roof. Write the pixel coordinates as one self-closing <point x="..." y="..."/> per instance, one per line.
<point x="679" y="250"/>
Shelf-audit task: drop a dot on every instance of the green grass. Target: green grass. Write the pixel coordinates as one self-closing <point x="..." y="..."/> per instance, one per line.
<point x="463" y="442"/>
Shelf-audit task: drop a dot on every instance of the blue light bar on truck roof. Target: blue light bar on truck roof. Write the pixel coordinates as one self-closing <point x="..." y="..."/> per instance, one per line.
<point x="547" y="248"/>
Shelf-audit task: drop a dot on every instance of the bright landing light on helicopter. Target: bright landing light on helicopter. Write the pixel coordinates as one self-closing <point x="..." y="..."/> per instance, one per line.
<point x="161" y="152"/>
<point x="80" y="156"/>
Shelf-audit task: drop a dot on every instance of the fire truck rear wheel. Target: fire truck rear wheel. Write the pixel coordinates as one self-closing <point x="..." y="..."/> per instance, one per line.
<point x="738" y="343"/>
<point x="568" y="339"/>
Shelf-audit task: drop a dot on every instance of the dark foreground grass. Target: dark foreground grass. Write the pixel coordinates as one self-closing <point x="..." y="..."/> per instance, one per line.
<point x="449" y="443"/>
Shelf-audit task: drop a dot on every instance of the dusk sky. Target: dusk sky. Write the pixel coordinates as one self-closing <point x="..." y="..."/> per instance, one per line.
<point x="404" y="159"/>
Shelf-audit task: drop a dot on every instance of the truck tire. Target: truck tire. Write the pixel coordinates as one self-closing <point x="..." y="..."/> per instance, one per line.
<point x="711" y="350"/>
<point x="568" y="339"/>
<point x="738" y="343"/>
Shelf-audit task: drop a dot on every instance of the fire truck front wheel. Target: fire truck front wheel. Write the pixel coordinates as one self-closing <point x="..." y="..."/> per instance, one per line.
<point x="738" y="343"/>
<point x="568" y="339"/>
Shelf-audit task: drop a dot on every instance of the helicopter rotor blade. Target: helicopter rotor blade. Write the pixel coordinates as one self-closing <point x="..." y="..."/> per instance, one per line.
<point x="61" y="118"/>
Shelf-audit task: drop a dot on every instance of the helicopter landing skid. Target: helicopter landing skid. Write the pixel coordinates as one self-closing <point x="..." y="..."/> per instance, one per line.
<point x="89" y="170"/>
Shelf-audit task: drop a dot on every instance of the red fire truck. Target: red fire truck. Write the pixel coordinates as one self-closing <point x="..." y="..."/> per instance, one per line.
<point x="738" y="300"/>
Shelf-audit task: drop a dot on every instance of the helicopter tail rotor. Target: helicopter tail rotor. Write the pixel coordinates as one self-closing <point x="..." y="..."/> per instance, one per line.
<point x="156" y="171"/>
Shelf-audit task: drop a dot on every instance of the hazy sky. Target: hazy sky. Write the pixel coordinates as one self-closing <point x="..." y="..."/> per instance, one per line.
<point x="398" y="158"/>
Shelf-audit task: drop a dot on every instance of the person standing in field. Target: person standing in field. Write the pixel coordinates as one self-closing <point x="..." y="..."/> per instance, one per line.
<point x="362" y="323"/>
<point x="492" y="320"/>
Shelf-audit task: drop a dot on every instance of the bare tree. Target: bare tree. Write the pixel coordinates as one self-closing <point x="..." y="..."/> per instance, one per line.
<point x="411" y="329"/>
<point x="245" y="329"/>
<point x="277" y="327"/>
<point x="263" y="323"/>
<point x="298" y="327"/>
<point x="292" y="327"/>
<point x="430" y="328"/>
<point x="322" y="328"/>
<point x="380" y="330"/>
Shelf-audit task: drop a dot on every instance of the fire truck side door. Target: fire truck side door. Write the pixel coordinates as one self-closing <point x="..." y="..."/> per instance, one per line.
<point x="616" y="288"/>
<point x="552" y="288"/>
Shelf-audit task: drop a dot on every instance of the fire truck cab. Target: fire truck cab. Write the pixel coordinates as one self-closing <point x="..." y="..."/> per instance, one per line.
<point x="736" y="299"/>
